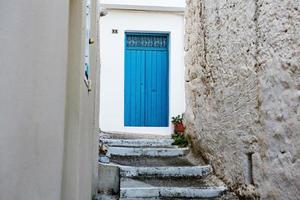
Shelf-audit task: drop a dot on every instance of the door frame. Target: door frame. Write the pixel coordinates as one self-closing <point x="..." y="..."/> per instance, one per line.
<point x="147" y="33"/>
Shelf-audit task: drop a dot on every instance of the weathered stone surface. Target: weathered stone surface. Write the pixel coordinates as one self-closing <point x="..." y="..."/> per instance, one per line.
<point x="243" y="93"/>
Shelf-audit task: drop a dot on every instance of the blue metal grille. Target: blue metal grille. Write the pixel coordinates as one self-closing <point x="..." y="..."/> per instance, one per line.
<point x="149" y="41"/>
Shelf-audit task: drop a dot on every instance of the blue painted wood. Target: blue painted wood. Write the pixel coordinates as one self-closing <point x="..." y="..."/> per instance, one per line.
<point x="146" y="80"/>
<point x="127" y="101"/>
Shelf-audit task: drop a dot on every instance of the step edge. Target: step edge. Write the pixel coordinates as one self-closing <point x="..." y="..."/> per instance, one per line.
<point x="184" y="171"/>
<point x="136" y="140"/>
<point x="152" y="149"/>
<point x="148" y="152"/>
<point x="213" y="192"/>
<point x="220" y="188"/>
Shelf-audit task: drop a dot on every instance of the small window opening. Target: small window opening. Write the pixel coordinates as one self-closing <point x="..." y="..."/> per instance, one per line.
<point x="249" y="170"/>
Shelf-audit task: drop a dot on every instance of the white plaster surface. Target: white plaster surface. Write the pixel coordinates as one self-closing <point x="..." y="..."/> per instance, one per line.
<point x="47" y="144"/>
<point x="112" y="65"/>
<point x="172" y="5"/>
<point x="32" y="98"/>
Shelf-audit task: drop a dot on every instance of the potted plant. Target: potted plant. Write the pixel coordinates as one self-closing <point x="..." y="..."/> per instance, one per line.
<point x="178" y="124"/>
<point x="179" y="136"/>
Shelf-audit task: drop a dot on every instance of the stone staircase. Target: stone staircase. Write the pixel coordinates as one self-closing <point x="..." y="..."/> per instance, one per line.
<point x="155" y="169"/>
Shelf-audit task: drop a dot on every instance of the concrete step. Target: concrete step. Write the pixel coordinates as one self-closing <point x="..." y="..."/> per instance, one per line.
<point x="107" y="197"/>
<point x="227" y="196"/>
<point x="192" y="171"/>
<point x="172" y="192"/>
<point x="119" y="135"/>
<point x="172" y="198"/>
<point x="167" y="143"/>
<point x="143" y="161"/>
<point x="149" y="152"/>
<point x="129" y="182"/>
<point x="168" y="188"/>
<point x="153" y="169"/>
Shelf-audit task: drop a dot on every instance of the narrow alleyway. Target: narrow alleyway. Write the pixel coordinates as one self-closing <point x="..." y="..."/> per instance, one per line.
<point x="153" y="168"/>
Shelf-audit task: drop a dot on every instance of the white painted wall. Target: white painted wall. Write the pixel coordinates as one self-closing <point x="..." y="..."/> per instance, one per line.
<point x="33" y="67"/>
<point x="48" y="143"/>
<point x="170" y="5"/>
<point x="112" y="67"/>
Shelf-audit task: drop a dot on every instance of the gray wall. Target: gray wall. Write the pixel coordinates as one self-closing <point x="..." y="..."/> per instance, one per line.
<point x="242" y="83"/>
<point x="44" y="100"/>
<point x="80" y="158"/>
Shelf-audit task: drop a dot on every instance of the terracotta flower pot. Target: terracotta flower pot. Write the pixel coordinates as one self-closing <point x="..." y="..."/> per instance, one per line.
<point x="179" y="128"/>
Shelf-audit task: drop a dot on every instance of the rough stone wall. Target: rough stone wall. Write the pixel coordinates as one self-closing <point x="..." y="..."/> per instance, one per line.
<point x="243" y="93"/>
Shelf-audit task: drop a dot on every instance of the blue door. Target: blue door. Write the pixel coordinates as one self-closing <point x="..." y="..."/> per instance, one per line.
<point x="146" y="80"/>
